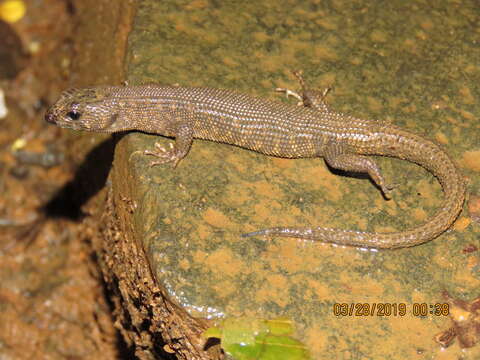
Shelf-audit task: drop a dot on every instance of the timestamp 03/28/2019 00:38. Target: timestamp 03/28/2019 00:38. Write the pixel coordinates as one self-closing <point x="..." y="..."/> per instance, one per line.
<point x="390" y="309"/>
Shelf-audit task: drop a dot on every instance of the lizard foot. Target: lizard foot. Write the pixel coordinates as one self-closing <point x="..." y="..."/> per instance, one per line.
<point x="165" y="155"/>
<point x="387" y="190"/>
<point x="289" y="92"/>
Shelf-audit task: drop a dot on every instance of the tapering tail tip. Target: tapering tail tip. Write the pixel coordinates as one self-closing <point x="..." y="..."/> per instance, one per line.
<point x="255" y="233"/>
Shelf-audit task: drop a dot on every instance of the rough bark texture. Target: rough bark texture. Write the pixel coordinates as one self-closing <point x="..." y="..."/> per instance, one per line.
<point x="146" y="316"/>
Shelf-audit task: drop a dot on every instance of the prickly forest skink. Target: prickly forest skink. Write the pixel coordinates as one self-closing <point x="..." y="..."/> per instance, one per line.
<point x="272" y="128"/>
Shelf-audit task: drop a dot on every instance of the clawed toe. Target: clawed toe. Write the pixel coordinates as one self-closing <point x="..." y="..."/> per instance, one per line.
<point x="160" y="148"/>
<point x="289" y="92"/>
<point x="164" y="155"/>
<point x="387" y="191"/>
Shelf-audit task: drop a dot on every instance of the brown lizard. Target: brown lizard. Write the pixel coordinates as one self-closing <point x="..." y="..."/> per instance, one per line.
<point x="271" y="128"/>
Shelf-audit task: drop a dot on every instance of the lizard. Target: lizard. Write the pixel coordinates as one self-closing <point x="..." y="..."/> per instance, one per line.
<point x="272" y="128"/>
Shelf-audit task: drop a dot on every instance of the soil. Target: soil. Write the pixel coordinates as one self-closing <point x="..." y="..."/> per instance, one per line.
<point x="53" y="302"/>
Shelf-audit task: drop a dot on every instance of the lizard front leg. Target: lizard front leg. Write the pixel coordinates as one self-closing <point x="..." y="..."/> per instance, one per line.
<point x="183" y="141"/>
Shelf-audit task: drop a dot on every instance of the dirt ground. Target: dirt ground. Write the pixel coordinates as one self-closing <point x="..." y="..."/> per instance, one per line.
<point x="52" y="300"/>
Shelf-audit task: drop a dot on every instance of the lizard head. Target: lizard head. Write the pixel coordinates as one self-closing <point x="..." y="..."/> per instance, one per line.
<point x="83" y="109"/>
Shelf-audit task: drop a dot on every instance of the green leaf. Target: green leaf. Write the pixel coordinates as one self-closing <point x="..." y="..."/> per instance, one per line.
<point x="258" y="339"/>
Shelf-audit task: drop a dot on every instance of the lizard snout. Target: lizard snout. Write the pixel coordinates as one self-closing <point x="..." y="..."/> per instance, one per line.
<point x="49" y="117"/>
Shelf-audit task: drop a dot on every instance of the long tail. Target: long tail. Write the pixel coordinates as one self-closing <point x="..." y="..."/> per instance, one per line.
<point x="404" y="145"/>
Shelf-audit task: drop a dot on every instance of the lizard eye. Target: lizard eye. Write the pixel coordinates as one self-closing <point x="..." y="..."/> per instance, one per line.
<point x="73" y="115"/>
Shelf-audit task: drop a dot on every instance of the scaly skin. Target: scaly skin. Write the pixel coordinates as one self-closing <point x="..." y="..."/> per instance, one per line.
<point x="272" y="128"/>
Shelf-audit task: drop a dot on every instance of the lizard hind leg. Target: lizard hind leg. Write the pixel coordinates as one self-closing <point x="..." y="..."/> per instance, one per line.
<point x="339" y="157"/>
<point x="312" y="97"/>
<point x="308" y="97"/>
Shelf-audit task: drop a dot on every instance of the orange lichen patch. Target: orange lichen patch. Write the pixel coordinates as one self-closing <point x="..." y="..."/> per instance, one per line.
<point x="277" y="281"/>
<point x="317" y="339"/>
<point x="326" y="23"/>
<point x="378" y="202"/>
<point x="229" y="62"/>
<point x="238" y="195"/>
<point x="291" y="47"/>
<point x="441" y="138"/>
<point x="355" y="60"/>
<point x="224" y="261"/>
<point x="462" y="223"/>
<point x="394" y="102"/>
<point x="262" y="212"/>
<point x="325" y="53"/>
<point x="374" y="104"/>
<point x="272" y="64"/>
<point x="286" y="256"/>
<point x="466" y="93"/>
<point x="325" y="80"/>
<point x="283" y="163"/>
<point x="266" y="188"/>
<point x="429" y="196"/>
<point x="474" y="205"/>
<point x="358" y="289"/>
<point x="362" y="224"/>
<point x="368" y="286"/>
<point x="184" y="24"/>
<point x="240" y="166"/>
<point x="419" y="214"/>
<point x="419" y="332"/>
<point x="184" y="264"/>
<point x="225" y="288"/>
<point x="196" y="5"/>
<point x="204" y="232"/>
<point x="216" y="218"/>
<point x="316" y="290"/>
<point x="319" y="177"/>
<point x="261" y="36"/>
<point x="442" y="259"/>
<point x="465" y="277"/>
<point x="427" y="24"/>
<point x="199" y="256"/>
<point x="411" y="46"/>
<point x="474" y="208"/>
<point x="301" y="13"/>
<point x="378" y="36"/>
<point x="471" y="160"/>
<point x="402" y="205"/>
<point x="468" y="115"/>
<point x="473" y="261"/>
<point x="421" y="35"/>
<point x="419" y="297"/>
<point x="274" y="289"/>
<point x="389" y="206"/>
